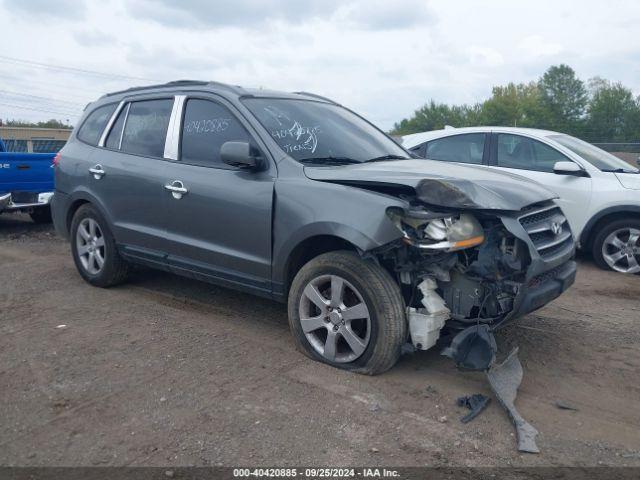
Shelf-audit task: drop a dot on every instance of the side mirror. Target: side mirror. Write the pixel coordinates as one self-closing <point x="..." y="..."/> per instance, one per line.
<point x="569" y="168"/>
<point x="239" y="154"/>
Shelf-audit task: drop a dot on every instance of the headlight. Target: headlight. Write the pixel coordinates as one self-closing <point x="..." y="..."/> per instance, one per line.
<point x="437" y="231"/>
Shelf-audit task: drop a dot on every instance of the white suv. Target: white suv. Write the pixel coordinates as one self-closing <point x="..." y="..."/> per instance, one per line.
<point x="599" y="193"/>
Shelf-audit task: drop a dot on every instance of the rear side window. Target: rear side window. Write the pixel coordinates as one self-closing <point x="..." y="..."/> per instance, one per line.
<point x="467" y="148"/>
<point x="92" y="128"/>
<point x="145" y="130"/>
<point x="206" y="126"/>
<point x="516" y="151"/>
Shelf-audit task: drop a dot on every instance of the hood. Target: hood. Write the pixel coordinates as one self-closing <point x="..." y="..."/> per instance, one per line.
<point x="441" y="184"/>
<point x="629" y="180"/>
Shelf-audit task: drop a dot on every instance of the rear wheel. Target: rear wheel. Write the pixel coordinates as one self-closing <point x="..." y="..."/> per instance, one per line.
<point x="94" y="249"/>
<point x="617" y="246"/>
<point x="347" y="312"/>
<point x="41" y="215"/>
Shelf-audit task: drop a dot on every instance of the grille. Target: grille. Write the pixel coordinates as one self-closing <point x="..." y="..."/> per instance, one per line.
<point x="548" y="229"/>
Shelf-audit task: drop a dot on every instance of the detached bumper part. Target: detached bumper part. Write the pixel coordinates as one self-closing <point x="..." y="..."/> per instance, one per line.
<point x="5" y="200"/>
<point x="505" y="379"/>
<point x="474" y="348"/>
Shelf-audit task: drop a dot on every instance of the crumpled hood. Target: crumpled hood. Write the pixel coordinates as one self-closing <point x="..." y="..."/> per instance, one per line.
<point x="629" y="180"/>
<point x="442" y="184"/>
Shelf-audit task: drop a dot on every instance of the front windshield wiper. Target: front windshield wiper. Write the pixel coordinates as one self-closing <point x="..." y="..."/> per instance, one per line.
<point x="330" y="160"/>
<point x="386" y="157"/>
<point x="618" y="170"/>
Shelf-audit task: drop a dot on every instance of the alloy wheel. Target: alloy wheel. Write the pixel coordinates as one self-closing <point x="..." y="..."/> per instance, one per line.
<point x="335" y="319"/>
<point x="90" y="246"/>
<point x="621" y="250"/>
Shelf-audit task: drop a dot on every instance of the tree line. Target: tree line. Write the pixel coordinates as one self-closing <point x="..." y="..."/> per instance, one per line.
<point x="597" y="110"/>
<point x="53" y="123"/>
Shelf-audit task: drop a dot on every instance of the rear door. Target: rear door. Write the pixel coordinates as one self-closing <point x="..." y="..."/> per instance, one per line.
<point x="469" y="148"/>
<point x="130" y="177"/>
<point x="220" y="229"/>
<point x="534" y="159"/>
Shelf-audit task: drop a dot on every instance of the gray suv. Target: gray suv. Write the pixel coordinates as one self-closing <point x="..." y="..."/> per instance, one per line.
<point x="293" y="197"/>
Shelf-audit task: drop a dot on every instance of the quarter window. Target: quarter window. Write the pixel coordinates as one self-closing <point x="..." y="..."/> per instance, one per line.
<point x="145" y="131"/>
<point x="113" y="139"/>
<point x="206" y="126"/>
<point x="467" y="148"/>
<point x="92" y="128"/>
<point x="516" y="151"/>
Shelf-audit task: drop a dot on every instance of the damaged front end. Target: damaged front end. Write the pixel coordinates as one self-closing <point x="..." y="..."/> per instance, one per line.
<point x="465" y="272"/>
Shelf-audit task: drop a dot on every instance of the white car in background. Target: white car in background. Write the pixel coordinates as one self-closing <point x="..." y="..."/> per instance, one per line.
<point x="599" y="193"/>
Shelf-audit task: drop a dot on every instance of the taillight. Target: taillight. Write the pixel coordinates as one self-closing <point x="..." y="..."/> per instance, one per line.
<point x="56" y="160"/>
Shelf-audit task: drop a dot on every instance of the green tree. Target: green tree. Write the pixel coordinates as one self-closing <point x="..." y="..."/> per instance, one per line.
<point x="434" y="116"/>
<point x="564" y="98"/>
<point x="53" y="123"/>
<point x="514" y="105"/>
<point x="613" y="113"/>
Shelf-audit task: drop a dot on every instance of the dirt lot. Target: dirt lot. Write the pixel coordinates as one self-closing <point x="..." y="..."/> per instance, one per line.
<point x="165" y="370"/>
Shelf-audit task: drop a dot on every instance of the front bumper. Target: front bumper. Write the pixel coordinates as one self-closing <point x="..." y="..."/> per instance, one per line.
<point x="20" y="201"/>
<point x="542" y="289"/>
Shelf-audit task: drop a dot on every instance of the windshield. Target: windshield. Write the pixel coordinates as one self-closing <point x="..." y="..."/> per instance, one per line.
<point x="322" y="133"/>
<point x="594" y="155"/>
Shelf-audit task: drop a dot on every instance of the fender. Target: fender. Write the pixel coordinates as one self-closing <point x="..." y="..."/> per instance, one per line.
<point x="586" y="231"/>
<point x="82" y="194"/>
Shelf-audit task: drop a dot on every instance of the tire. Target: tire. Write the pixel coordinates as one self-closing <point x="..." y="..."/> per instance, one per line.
<point x="41" y="215"/>
<point x="383" y="332"/>
<point x="619" y="240"/>
<point x="113" y="270"/>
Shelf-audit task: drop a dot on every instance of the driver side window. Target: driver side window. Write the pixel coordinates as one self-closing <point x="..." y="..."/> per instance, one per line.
<point x="516" y="151"/>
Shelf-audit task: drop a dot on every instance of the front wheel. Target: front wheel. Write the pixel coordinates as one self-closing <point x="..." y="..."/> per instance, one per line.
<point x="347" y="312"/>
<point x="617" y="246"/>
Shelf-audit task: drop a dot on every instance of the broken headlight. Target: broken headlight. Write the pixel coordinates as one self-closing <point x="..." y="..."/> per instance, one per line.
<point x="437" y="231"/>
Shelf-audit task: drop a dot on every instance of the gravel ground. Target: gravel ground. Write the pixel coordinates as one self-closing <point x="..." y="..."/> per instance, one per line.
<point x="168" y="371"/>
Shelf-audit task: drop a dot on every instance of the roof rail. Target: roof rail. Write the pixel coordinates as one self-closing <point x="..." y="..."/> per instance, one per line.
<point x="174" y="83"/>
<point x="317" y="96"/>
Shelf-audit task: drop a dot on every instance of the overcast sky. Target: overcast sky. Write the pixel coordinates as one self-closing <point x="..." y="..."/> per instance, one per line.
<point x="382" y="58"/>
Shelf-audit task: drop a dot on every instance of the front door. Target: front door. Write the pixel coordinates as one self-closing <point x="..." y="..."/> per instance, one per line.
<point x="219" y="227"/>
<point x="535" y="160"/>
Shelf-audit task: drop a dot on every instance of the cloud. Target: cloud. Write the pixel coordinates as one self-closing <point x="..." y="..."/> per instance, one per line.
<point x="367" y="14"/>
<point x="95" y="38"/>
<point x="536" y="46"/>
<point x="239" y="13"/>
<point x="64" y="9"/>
<point x="485" y="56"/>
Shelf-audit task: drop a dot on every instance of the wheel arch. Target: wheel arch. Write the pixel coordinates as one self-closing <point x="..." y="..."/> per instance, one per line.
<point x="602" y="218"/>
<point x="78" y="200"/>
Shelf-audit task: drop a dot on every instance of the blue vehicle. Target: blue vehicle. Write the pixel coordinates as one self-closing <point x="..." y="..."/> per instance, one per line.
<point x="26" y="183"/>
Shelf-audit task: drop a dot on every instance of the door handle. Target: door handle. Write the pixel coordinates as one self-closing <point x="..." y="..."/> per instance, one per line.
<point x="97" y="171"/>
<point x="177" y="189"/>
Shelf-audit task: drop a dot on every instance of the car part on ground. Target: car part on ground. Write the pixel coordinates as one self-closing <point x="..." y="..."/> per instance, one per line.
<point x="505" y="378"/>
<point x="476" y="403"/>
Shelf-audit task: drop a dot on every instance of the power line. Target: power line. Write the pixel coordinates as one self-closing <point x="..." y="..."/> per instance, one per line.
<point x="22" y="107"/>
<point x="29" y="63"/>
<point x="37" y="97"/>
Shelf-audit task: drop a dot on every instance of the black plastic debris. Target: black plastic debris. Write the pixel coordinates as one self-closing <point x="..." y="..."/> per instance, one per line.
<point x="562" y="405"/>
<point x="476" y="403"/>
<point x="474" y="348"/>
<point x="505" y="379"/>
